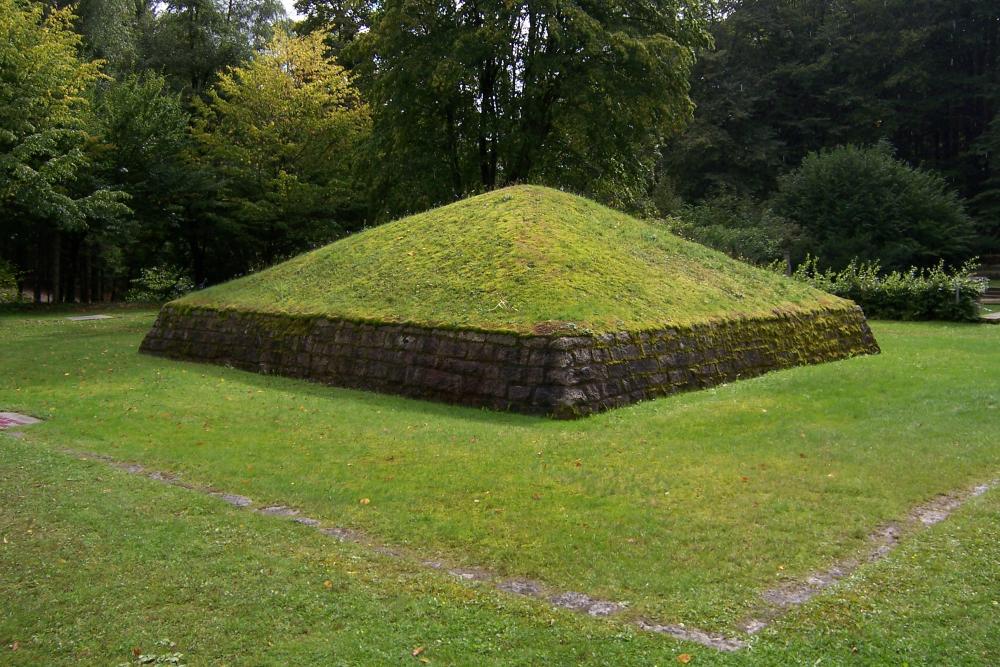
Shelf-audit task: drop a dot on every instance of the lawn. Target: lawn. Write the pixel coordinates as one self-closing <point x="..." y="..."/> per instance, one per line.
<point x="687" y="508"/>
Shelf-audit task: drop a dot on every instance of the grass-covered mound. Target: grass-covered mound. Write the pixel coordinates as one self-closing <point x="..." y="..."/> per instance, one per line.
<point x="524" y="299"/>
<point x="523" y="259"/>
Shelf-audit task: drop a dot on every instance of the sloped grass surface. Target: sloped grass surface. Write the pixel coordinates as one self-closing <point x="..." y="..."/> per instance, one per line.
<point x="513" y="259"/>
<point x="685" y="507"/>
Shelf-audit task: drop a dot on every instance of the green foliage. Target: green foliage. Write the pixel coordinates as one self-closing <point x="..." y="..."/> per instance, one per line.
<point x="145" y="148"/>
<point x="916" y="294"/>
<point x="145" y="126"/>
<point x="853" y="202"/>
<point x="738" y="226"/>
<point x="43" y="138"/>
<point x="788" y="78"/>
<point x="115" y="31"/>
<point x="159" y="283"/>
<point x="285" y="132"/>
<point x="9" y="292"/>
<point x="986" y="203"/>
<point x="192" y="41"/>
<point x="470" y="96"/>
<point x="515" y="259"/>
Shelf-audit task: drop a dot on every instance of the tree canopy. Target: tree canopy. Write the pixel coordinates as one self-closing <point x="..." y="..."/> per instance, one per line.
<point x="471" y="95"/>
<point x="283" y="132"/>
<point x="45" y="147"/>
<point x="788" y="78"/>
<point x="199" y="140"/>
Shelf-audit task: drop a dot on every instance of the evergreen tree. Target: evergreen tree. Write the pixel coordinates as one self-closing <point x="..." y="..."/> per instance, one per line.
<point x="862" y="204"/>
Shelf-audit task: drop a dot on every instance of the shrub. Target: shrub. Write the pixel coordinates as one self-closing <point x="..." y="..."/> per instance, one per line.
<point x="862" y="203"/>
<point x="160" y="283"/>
<point x="9" y="293"/>
<point x="738" y="226"/>
<point x="915" y="294"/>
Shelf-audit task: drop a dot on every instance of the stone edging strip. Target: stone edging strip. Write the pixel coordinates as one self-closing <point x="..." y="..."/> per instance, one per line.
<point x="775" y="602"/>
<point x="880" y="542"/>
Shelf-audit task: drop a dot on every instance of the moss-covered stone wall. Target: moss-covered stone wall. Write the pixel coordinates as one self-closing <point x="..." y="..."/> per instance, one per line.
<point x="553" y="375"/>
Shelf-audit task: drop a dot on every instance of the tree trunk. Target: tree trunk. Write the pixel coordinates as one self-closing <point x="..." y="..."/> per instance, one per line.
<point x="86" y="291"/>
<point x="456" y="173"/>
<point x="73" y="273"/>
<point x="487" y="125"/>
<point x="197" y="255"/>
<point x="39" y="264"/>
<point x="56" y="295"/>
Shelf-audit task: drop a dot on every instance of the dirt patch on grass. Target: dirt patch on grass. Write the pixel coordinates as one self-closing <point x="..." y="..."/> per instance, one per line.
<point x="584" y="603"/>
<point x="718" y="642"/>
<point x="521" y="587"/>
<point x="234" y="500"/>
<point x="278" y="510"/>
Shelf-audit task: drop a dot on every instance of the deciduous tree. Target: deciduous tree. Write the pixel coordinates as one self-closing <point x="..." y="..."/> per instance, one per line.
<point x="46" y="190"/>
<point x="285" y="131"/>
<point x="472" y="95"/>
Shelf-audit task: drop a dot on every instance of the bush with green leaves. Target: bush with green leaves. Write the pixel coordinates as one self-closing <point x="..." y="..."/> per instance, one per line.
<point x="160" y="283"/>
<point x="862" y="203"/>
<point x="9" y="293"/>
<point x="738" y="226"/>
<point x="936" y="293"/>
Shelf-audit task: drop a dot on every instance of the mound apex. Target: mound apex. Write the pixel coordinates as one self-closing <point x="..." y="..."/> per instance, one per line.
<point x="524" y="259"/>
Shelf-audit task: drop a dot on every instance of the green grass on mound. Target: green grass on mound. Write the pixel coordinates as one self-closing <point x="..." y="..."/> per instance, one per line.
<point x="511" y="260"/>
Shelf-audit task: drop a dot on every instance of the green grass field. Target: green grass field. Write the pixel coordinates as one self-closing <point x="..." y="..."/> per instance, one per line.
<point x="686" y="507"/>
<point x="513" y="259"/>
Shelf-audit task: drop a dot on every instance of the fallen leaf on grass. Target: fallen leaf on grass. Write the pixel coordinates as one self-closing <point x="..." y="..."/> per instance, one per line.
<point x="417" y="651"/>
<point x="328" y="584"/>
<point x="684" y="658"/>
<point x="365" y="501"/>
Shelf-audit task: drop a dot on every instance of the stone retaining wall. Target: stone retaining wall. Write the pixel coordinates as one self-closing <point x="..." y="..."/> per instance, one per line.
<point x="553" y="375"/>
